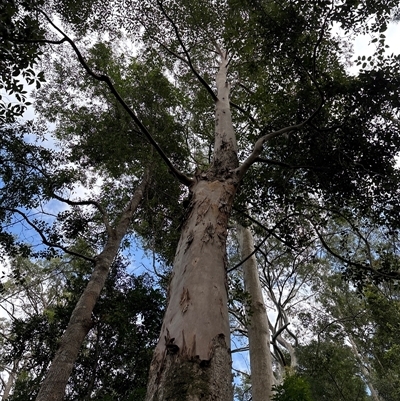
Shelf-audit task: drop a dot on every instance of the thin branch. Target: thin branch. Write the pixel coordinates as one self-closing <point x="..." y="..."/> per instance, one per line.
<point x="40" y="41"/>
<point x="70" y="202"/>
<point x="245" y="112"/>
<point x="189" y="60"/>
<point x="392" y="275"/>
<point x="259" y="145"/>
<point x="268" y="230"/>
<point x="104" y="78"/>
<point x="46" y="241"/>
<point x="243" y="349"/>
<point x="256" y="249"/>
<point x="277" y="333"/>
<point x="87" y="203"/>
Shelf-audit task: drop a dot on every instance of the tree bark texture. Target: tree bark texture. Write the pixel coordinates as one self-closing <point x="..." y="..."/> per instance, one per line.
<point x="54" y="384"/>
<point x="192" y="360"/>
<point x="262" y="377"/>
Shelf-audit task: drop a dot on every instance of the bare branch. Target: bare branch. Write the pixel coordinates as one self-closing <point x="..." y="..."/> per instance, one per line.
<point x="256" y="248"/>
<point x="369" y="269"/>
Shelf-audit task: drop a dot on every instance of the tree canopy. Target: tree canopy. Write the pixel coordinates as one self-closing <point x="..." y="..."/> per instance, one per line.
<point x="172" y="118"/>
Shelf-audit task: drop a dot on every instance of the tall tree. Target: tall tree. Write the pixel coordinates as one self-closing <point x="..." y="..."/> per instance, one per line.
<point x="324" y="130"/>
<point x="262" y="378"/>
<point x="116" y="354"/>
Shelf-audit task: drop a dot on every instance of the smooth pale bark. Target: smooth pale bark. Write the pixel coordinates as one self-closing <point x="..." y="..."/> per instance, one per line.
<point x="283" y="370"/>
<point x="10" y="381"/>
<point x="262" y="377"/>
<point x="365" y="371"/>
<point x="54" y="384"/>
<point x="192" y="360"/>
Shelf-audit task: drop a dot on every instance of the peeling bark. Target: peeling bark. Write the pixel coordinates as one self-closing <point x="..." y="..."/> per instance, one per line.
<point x="192" y="360"/>
<point x="262" y="377"/>
<point x="53" y="386"/>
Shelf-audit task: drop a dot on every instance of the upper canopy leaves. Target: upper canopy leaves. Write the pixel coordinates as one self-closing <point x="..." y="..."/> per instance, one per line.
<point x="287" y="68"/>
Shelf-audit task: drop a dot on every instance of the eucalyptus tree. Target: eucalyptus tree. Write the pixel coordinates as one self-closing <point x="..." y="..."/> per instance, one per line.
<point x="102" y="225"/>
<point x="302" y="128"/>
<point x="258" y="332"/>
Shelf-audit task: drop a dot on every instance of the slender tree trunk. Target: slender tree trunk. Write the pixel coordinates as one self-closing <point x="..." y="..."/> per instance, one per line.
<point x="192" y="360"/>
<point x="374" y="393"/>
<point x="92" y="378"/>
<point x="10" y="380"/>
<point x="262" y="377"/>
<point x="53" y="386"/>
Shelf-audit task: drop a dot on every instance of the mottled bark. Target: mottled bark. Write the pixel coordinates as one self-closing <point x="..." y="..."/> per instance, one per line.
<point x="258" y="331"/>
<point x="53" y="386"/>
<point x="192" y="361"/>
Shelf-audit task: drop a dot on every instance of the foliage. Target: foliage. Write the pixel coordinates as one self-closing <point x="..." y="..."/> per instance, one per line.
<point x="85" y="129"/>
<point x="287" y="68"/>
<point x="385" y="347"/>
<point x="293" y="388"/>
<point x="331" y="370"/>
<point x="113" y="363"/>
<point x="19" y="55"/>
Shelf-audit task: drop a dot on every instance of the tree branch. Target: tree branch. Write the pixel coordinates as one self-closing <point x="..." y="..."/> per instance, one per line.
<point x="189" y="60"/>
<point x="104" y="78"/>
<point x="256" y="249"/>
<point x="87" y="203"/>
<point x="246" y="113"/>
<point x="268" y="230"/>
<point x="259" y="145"/>
<point x="46" y="241"/>
<point x="369" y="269"/>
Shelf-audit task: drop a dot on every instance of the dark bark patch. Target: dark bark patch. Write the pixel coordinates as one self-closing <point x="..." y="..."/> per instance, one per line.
<point x="189" y="240"/>
<point x="202" y="210"/>
<point x="170" y="346"/>
<point x="184" y="302"/>
<point x="208" y="234"/>
<point x="183" y="376"/>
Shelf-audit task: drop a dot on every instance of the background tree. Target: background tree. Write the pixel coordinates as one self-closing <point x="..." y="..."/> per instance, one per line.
<point x="114" y="360"/>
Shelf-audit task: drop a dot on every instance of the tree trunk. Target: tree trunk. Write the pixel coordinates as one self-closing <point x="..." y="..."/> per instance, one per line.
<point x="10" y="380"/>
<point x="53" y="386"/>
<point x="262" y="377"/>
<point x="367" y="375"/>
<point x="192" y="360"/>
